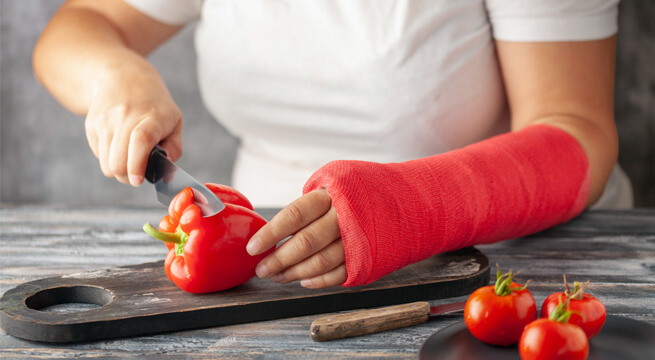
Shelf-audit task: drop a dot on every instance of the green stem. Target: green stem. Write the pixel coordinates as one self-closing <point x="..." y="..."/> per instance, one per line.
<point x="174" y="238"/>
<point x="179" y="237"/>
<point x="561" y="313"/>
<point x="578" y="290"/>
<point x="503" y="285"/>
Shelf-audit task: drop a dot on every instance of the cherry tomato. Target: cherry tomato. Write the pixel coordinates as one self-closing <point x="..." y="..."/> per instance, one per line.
<point x="496" y="314"/>
<point x="587" y="311"/>
<point x="545" y="339"/>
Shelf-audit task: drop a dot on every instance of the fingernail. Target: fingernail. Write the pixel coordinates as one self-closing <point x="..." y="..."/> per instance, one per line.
<point x="262" y="271"/>
<point x="306" y="283"/>
<point x="135" y="180"/>
<point x="254" y="247"/>
<point x="279" y="277"/>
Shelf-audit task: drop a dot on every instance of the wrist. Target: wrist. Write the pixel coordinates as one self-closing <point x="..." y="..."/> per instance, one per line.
<point x="125" y="77"/>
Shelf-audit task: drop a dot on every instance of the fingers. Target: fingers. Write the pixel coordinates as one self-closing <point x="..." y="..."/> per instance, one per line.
<point x="101" y="124"/>
<point x="91" y="134"/>
<point x="103" y="155"/>
<point x="172" y="144"/>
<point x="321" y="262"/>
<point x="332" y="278"/>
<point x="117" y="161"/>
<point x="293" y="218"/>
<point x="312" y="239"/>
<point x="123" y="137"/>
<point x="143" y="138"/>
<point x="314" y="251"/>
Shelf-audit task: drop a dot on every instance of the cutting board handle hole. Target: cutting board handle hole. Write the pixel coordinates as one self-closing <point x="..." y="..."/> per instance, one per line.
<point x="69" y="299"/>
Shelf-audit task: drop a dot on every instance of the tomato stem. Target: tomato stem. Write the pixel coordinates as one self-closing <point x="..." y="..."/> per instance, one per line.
<point x="504" y="283"/>
<point x="578" y="289"/>
<point x="562" y="313"/>
<point x="522" y="287"/>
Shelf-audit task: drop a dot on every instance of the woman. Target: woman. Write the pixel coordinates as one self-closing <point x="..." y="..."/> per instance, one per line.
<point x="460" y="122"/>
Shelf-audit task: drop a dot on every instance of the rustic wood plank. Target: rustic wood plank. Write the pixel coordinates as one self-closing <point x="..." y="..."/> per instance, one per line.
<point x="140" y="299"/>
<point x="605" y="247"/>
<point x="608" y="222"/>
<point x="613" y="249"/>
<point x="145" y="301"/>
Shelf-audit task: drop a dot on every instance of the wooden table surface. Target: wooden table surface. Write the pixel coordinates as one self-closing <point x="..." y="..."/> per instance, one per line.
<point x="615" y="250"/>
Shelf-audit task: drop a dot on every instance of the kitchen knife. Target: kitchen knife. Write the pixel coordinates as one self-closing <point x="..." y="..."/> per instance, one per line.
<point x="169" y="180"/>
<point x="377" y="320"/>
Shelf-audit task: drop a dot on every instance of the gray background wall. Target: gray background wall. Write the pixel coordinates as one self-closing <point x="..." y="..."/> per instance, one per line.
<point x="45" y="158"/>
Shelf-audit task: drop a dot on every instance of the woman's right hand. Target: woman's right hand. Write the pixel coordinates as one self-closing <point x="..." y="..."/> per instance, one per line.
<point x="130" y="112"/>
<point x="92" y="59"/>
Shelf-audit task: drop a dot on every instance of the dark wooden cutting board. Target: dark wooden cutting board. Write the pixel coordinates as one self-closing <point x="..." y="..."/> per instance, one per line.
<point x="140" y="299"/>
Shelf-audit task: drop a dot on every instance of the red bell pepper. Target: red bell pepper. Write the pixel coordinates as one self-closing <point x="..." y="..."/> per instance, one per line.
<point x="209" y="254"/>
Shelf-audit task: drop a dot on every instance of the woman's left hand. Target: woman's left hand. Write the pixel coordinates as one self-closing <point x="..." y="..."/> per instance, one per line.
<point x="314" y="254"/>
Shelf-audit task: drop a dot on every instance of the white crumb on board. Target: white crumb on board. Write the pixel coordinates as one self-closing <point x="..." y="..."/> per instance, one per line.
<point x="468" y="266"/>
<point x="150" y="301"/>
<point x="99" y="273"/>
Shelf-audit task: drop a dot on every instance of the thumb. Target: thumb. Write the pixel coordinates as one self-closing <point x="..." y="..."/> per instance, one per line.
<point x="144" y="138"/>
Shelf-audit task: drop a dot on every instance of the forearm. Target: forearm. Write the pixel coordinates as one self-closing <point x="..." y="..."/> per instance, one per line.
<point x="508" y="186"/>
<point x="79" y="48"/>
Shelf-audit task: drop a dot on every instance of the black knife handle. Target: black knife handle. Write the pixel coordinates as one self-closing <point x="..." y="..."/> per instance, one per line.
<point x="155" y="167"/>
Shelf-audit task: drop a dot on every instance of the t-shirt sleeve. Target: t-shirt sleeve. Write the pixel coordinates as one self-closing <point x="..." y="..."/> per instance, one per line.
<point x="172" y="12"/>
<point x="552" y="20"/>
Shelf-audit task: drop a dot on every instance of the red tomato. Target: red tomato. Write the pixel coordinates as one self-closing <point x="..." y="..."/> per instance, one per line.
<point x="499" y="319"/>
<point x="588" y="313"/>
<point x="546" y="339"/>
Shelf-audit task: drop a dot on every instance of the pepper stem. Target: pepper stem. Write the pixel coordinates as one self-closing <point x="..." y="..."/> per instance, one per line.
<point x="174" y="238"/>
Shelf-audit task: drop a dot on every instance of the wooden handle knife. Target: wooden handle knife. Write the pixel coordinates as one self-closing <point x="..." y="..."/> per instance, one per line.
<point x="371" y="321"/>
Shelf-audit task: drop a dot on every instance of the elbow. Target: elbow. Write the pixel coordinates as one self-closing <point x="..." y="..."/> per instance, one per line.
<point x="598" y="138"/>
<point x="603" y="154"/>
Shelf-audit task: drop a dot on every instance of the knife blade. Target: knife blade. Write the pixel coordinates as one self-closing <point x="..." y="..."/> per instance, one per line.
<point x="371" y="321"/>
<point x="169" y="180"/>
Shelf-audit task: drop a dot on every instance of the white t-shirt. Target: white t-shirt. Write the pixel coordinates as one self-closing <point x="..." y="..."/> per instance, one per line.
<point x="302" y="83"/>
